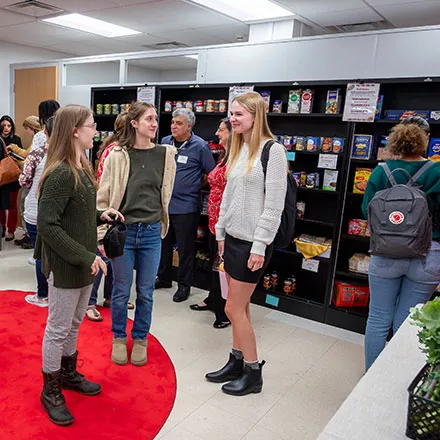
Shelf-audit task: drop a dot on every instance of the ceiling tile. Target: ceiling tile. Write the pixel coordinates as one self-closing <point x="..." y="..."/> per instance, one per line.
<point x="392" y="2"/>
<point x="227" y="33"/>
<point x="191" y="37"/>
<point x="304" y="7"/>
<point x="351" y="16"/>
<point x="412" y="14"/>
<point x="9" y="18"/>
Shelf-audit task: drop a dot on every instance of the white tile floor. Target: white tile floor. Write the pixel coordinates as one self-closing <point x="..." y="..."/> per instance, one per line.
<point x="310" y="370"/>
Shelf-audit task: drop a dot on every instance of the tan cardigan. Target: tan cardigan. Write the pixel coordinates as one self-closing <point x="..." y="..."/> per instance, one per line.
<point x="114" y="183"/>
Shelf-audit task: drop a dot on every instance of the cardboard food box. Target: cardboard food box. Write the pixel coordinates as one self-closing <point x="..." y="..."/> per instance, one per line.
<point x="265" y="94"/>
<point x="333" y="102"/>
<point x="294" y="104"/>
<point x="378" y="114"/>
<point x="362" y="146"/>
<point x="330" y="181"/>
<point x="361" y="177"/>
<point x="434" y="149"/>
<point x="350" y="295"/>
<point x="307" y="101"/>
<point x="400" y="115"/>
<point x="435" y="115"/>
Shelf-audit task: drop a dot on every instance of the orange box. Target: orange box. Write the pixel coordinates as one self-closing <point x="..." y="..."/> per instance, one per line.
<point x="350" y="295"/>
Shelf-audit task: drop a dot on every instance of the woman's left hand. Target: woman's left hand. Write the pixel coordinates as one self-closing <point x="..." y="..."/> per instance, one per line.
<point x="255" y="262"/>
<point x="105" y="216"/>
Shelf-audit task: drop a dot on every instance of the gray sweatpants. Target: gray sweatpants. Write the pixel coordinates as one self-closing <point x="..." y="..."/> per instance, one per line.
<point x="67" y="308"/>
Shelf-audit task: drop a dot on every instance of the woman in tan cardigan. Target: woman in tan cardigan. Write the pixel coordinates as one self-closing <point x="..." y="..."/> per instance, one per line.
<point x="137" y="180"/>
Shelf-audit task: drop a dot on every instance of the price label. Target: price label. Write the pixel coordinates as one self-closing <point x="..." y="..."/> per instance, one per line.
<point x="329" y="161"/>
<point x="311" y="265"/>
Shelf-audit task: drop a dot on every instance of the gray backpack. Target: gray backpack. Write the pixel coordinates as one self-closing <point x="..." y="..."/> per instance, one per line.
<point x="399" y="218"/>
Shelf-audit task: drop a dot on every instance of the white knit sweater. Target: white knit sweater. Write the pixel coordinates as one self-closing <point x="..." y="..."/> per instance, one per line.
<point x="251" y="208"/>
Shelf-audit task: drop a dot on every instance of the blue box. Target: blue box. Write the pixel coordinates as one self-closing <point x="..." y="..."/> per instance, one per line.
<point x="363" y="145"/>
<point x="434" y="149"/>
<point x="379" y="105"/>
<point x="291" y="156"/>
<point x="398" y="115"/>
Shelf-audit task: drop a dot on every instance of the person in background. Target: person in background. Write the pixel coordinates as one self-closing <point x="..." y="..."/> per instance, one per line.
<point x="193" y="160"/>
<point x="46" y="109"/>
<point x="32" y="171"/>
<point x="250" y="215"/>
<point x="9" y="216"/>
<point x="217" y="181"/>
<point x="66" y="245"/>
<point x="107" y="146"/>
<point x="397" y="284"/>
<point x="137" y="180"/>
<point x="31" y="126"/>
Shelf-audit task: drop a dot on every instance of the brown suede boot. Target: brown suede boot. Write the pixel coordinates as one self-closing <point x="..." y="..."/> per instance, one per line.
<point x="119" y="351"/>
<point x="139" y="352"/>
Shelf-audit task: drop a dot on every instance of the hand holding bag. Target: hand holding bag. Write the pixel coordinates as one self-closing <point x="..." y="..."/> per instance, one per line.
<point x="114" y="239"/>
<point x="9" y="170"/>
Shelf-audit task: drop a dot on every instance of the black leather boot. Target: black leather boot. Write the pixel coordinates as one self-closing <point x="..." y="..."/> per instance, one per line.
<point x="232" y="370"/>
<point x="72" y="380"/>
<point x="250" y="382"/>
<point x="53" y="401"/>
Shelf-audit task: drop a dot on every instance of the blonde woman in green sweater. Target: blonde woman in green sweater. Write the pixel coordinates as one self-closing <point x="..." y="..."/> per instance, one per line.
<point x="66" y="244"/>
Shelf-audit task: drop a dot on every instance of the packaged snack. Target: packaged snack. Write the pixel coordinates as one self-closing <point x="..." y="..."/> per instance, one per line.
<point x="435" y="115"/>
<point x="434" y="149"/>
<point x="327" y="145"/>
<point x="265" y="94"/>
<point x="362" y="146"/>
<point x="330" y="180"/>
<point x="400" y="115"/>
<point x="294" y="103"/>
<point x="300" y="143"/>
<point x="303" y="179"/>
<point x="361" y="177"/>
<point x="312" y="181"/>
<point x="358" y="227"/>
<point x="359" y="263"/>
<point x="297" y="177"/>
<point x="338" y="145"/>
<point x="333" y="103"/>
<point x="277" y="106"/>
<point x="307" y="101"/>
<point x="378" y="114"/>
<point x="313" y="143"/>
<point x="300" y="209"/>
<point x="350" y="295"/>
<point x="288" y="142"/>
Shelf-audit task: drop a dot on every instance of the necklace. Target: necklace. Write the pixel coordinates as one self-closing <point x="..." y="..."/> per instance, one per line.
<point x="145" y="156"/>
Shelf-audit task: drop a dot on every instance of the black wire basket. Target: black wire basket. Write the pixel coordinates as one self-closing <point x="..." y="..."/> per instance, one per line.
<point x="423" y="422"/>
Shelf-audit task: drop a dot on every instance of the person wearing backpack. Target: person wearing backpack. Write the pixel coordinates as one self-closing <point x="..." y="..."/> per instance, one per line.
<point x="402" y="202"/>
<point x="250" y="216"/>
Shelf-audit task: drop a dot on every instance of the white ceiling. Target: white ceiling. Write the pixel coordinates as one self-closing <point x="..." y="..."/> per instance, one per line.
<point x="162" y="21"/>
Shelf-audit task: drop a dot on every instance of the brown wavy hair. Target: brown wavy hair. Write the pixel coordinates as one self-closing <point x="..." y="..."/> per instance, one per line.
<point x="119" y="128"/>
<point x="408" y="140"/>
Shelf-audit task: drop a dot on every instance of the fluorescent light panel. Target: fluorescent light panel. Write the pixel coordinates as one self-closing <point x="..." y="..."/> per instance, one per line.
<point x="92" y="25"/>
<point x="247" y="10"/>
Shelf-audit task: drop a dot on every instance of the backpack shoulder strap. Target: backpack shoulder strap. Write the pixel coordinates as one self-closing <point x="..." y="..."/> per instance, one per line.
<point x="265" y="155"/>
<point x="416" y="176"/>
<point x="387" y="170"/>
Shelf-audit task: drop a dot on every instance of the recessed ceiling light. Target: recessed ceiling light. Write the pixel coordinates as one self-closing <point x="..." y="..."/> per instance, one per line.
<point x="91" y="25"/>
<point x="247" y="10"/>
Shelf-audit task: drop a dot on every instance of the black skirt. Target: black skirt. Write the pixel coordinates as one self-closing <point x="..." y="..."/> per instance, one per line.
<point x="236" y="256"/>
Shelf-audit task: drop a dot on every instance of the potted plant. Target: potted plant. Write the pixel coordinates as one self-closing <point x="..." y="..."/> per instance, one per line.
<point x="423" y="420"/>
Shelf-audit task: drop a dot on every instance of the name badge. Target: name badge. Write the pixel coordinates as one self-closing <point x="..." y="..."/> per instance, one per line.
<point x="182" y="159"/>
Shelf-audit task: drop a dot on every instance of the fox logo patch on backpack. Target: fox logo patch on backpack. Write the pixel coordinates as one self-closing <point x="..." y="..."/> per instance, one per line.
<point x="399" y="218"/>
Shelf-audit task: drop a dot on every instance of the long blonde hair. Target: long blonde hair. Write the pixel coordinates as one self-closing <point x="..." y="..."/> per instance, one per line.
<point x="62" y="147"/>
<point x="254" y="104"/>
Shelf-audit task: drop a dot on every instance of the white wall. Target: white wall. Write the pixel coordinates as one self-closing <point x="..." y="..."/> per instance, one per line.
<point x="15" y="53"/>
<point x="106" y="72"/>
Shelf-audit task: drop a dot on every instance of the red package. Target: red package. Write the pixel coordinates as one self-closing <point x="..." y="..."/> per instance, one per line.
<point x="350" y="295"/>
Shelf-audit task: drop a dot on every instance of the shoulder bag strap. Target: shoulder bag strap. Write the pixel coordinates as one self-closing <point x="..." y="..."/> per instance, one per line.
<point x="265" y="155"/>
<point x="421" y="171"/>
<point x="387" y="170"/>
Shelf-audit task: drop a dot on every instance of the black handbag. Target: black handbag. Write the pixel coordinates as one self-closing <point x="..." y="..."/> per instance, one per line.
<point x="114" y="239"/>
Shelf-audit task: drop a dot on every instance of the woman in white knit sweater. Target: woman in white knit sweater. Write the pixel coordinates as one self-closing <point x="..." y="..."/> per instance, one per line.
<point x="250" y="216"/>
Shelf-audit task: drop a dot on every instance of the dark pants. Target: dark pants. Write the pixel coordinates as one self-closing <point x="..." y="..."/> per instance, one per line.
<point x="214" y="300"/>
<point x="42" y="286"/>
<point x="183" y="228"/>
<point x="108" y="282"/>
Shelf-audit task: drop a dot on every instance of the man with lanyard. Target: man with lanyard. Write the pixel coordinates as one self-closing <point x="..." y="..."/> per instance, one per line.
<point x="194" y="159"/>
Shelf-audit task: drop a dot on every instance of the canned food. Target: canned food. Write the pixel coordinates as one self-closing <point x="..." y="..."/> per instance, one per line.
<point x="274" y="279"/>
<point x="107" y="109"/>
<point x="99" y="109"/>
<point x="179" y="105"/>
<point x="103" y="135"/>
<point x="300" y="209"/>
<point x="115" y="109"/>
<point x="210" y="105"/>
<point x="97" y="137"/>
<point x="223" y="106"/>
<point x="168" y="106"/>
<point x="122" y="108"/>
<point x="277" y="106"/>
<point x="199" y="106"/>
<point x="189" y="105"/>
<point x="267" y="284"/>
<point x="216" y="105"/>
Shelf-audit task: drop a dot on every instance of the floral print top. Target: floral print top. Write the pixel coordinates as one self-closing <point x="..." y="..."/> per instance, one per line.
<point x="217" y="181"/>
<point x="30" y="165"/>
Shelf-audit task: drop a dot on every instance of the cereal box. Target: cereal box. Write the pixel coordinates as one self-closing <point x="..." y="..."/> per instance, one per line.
<point x="435" y="115"/>
<point x="265" y="94"/>
<point x="307" y="101"/>
<point x="333" y="103"/>
<point x="361" y="177"/>
<point x="338" y="145"/>
<point x="294" y="103"/>
<point x="434" y="149"/>
<point x="300" y="143"/>
<point x="313" y="143"/>
<point x="327" y="145"/>
<point x="330" y="180"/>
<point x="362" y="146"/>
<point x="378" y="114"/>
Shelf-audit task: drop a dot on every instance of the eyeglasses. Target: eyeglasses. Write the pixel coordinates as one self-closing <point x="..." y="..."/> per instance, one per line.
<point x="92" y="125"/>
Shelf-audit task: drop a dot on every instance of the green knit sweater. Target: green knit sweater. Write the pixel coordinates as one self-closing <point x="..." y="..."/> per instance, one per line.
<point x="67" y="222"/>
<point x="429" y="181"/>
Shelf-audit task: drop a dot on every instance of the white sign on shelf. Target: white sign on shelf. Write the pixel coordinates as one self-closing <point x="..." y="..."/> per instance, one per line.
<point x="311" y="265"/>
<point x="329" y="161"/>
<point x="361" y="102"/>
<point x="235" y="91"/>
<point x="147" y="94"/>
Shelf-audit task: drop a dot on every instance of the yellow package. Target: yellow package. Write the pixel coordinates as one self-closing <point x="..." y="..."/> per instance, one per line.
<point x="361" y="177"/>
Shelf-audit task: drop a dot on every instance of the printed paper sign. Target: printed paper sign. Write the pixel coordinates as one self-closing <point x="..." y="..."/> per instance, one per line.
<point x="147" y="94"/>
<point x="311" y="265"/>
<point x="361" y="102"/>
<point x="329" y="161"/>
<point x="235" y="91"/>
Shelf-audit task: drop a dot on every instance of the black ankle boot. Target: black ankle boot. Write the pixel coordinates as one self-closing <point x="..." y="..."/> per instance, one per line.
<point x="53" y="401"/>
<point x="232" y="370"/>
<point x="250" y="382"/>
<point x="72" y="380"/>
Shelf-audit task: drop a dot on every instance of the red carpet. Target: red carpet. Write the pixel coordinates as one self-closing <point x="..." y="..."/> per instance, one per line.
<point x="134" y="403"/>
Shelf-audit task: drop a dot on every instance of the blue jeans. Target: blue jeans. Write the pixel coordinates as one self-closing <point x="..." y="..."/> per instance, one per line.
<point x="42" y="287"/>
<point x="142" y="248"/>
<point x="108" y="282"/>
<point x="396" y="285"/>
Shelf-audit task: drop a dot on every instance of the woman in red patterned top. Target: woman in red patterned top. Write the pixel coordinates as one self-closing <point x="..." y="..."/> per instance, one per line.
<point x="217" y="181"/>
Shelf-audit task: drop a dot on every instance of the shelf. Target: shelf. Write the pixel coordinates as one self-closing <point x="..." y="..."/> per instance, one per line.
<point x="358" y="238"/>
<point x="365" y="162"/>
<point x="317" y="191"/>
<point x="353" y="275"/>
<point x="316" y="153"/>
<point x="299" y="254"/>
<point x="224" y="114"/>
<point x="353" y="319"/>
<point x="355" y="195"/>
<point x="315" y="222"/>
<point x="300" y="115"/>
